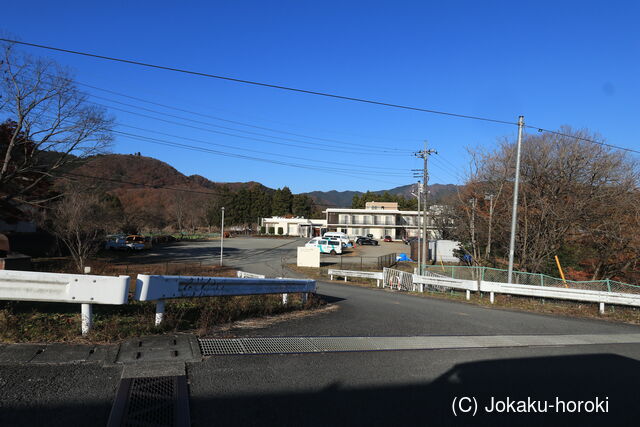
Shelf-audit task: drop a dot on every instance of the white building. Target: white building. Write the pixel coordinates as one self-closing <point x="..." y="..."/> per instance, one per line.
<point x="381" y="219"/>
<point x="299" y="226"/>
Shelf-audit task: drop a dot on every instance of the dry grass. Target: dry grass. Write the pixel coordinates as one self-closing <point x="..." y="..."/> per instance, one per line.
<point x="22" y="321"/>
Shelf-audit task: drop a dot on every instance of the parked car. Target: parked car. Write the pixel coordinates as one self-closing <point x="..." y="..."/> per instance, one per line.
<point x="135" y="242"/>
<point x="367" y="241"/>
<point x="344" y="238"/>
<point x="388" y="239"/>
<point x="116" y="242"/>
<point x="325" y="246"/>
<point x="338" y="241"/>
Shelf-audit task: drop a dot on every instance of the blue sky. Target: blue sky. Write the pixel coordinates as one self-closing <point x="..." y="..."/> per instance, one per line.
<point x="556" y="63"/>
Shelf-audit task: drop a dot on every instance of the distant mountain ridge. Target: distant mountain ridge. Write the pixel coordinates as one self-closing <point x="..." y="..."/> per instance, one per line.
<point x="152" y="172"/>
<point x="342" y="199"/>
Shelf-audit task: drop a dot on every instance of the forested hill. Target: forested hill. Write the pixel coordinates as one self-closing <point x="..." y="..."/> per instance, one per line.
<point x="149" y="172"/>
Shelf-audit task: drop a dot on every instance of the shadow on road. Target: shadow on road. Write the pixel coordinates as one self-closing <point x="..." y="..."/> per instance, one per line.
<point x="178" y="253"/>
<point x="568" y="378"/>
<point x="330" y="299"/>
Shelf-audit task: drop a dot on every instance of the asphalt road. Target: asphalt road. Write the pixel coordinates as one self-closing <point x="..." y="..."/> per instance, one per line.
<point x="414" y="387"/>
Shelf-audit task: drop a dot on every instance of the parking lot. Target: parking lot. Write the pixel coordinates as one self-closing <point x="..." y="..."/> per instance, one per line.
<point x="383" y="248"/>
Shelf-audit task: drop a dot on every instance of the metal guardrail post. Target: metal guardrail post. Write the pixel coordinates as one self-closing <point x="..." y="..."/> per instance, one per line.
<point x="87" y="318"/>
<point x="305" y="296"/>
<point x="285" y="299"/>
<point x="601" y="308"/>
<point x="159" y="312"/>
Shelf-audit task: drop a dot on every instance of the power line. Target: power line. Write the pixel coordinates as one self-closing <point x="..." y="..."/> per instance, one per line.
<point x="617" y="147"/>
<point x="316" y="147"/>
<point x="306" y="91"/>
<point x="325" y="147"/>
<point x="227" y="120"/>
<point x="234" y="135"/>
<point x="250" y="82"/>
<point x="338" y="171"/>
<point x="325" y="169"/>
<point x="252" y="150"/>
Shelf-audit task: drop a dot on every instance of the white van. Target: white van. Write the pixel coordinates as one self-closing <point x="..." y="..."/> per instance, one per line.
<point x="326" y="246"/>
<point x="344" y="238"/>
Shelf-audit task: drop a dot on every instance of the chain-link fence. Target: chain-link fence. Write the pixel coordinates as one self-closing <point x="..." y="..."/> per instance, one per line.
<point x="533" y="279"/>
<point x="359" y="262"/>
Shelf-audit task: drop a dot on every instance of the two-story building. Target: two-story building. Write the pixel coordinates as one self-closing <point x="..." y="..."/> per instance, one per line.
<point x="381" y="219"/>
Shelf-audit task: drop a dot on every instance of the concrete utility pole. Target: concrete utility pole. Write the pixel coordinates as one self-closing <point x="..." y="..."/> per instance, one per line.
<point x="424" y="155"/>
<point x="419" y="196"/>
<point x="222" y="237"/>
<point x="514" y="214"/>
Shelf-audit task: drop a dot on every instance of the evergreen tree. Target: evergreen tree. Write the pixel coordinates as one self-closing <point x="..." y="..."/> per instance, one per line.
<point x="302" y="205"/>
<point x="281" y="204"/>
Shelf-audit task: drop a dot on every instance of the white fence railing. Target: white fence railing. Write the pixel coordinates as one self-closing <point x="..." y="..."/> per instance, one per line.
<point x="376" y="275"/>
<point x="159" y="288"/>
<point x="400" y="280"/>
<point x="70" y="288"/>
<point x="247" y="275"/>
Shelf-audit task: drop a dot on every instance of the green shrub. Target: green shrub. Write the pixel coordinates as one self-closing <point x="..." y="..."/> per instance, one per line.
<point x="280" y="231"/>
<point x="272" y="230"/>
<point x="263" y="230"/>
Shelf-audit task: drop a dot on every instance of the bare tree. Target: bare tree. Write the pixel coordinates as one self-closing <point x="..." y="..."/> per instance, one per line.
<point x="179" y="209"/>
<point x="48" y="123"/>
<point x="574" y="196"/>
<point x="80" y="219"/>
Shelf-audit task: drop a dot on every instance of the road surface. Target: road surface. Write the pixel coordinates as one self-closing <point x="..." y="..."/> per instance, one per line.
<point x="404" y="387"/>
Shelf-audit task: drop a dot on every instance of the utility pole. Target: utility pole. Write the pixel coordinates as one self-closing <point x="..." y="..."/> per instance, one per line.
<point x="473" y="201"/>
<point x="424" y="155"/>
<point x="419" y="196"/>
<point x="489" y="197"/>
<point x="222" y="237"/>
<point x="514" y="213"/>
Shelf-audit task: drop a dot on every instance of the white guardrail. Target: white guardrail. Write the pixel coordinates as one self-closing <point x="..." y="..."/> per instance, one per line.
<point x="247" y="275"/>
<point x="70" y="288"/>
<point x="159" y="288"/>
<point x="438" y="282"/>
<point x="377" y="275"/>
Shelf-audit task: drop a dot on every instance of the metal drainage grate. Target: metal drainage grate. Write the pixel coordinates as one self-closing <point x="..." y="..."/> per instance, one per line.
<point x="278" y="345"/>
<point x="210" y="347"/>
<point x="345" y="343"/>
<point x="159" y="401"/>
<point x="289" y="345"/>
<point x="285" y="345"/>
